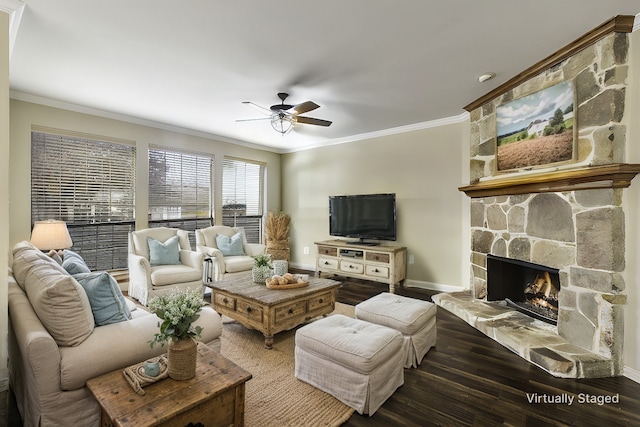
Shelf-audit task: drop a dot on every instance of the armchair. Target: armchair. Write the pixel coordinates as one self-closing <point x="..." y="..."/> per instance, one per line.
<point x="150" y="275"/>
<point x="206" y="243"/>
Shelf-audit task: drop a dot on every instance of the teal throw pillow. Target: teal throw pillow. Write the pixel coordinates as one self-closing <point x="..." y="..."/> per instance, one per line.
<point x="74" y="263"/>
<point x="107" y="302"/>
<point x="167" y="253"/>
<point x="230" y="246"/>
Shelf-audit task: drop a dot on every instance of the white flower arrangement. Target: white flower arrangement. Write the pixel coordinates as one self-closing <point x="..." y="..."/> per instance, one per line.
<point x="178" y="311"/>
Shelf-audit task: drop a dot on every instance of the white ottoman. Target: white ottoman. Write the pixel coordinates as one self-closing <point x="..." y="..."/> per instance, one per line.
<point x="357" y="362"/>
<point x="416" y="319"/>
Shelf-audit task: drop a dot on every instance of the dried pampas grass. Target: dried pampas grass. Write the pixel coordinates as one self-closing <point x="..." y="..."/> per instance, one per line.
<point x="276" y="226"/>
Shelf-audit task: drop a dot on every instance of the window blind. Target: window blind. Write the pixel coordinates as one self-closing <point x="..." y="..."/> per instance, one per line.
<point x="243" y="196"/>
<point x="180" y="189"/>
<point x="89" y="184"/>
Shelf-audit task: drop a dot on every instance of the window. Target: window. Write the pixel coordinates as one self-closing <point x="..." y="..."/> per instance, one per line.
<point x="88" y="182"/>
<point x="242" y="196"/>
<point x="180" y="186"/>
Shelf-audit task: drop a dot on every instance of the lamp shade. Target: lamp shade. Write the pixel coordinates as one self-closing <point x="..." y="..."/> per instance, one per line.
<point x="50" y="234"/>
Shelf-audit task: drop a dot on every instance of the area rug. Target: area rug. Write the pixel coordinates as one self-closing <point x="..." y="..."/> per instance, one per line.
<point x="274" y="397"/>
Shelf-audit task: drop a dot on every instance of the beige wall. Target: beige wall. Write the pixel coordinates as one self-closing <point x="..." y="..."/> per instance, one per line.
<point x="25" y="114"/>
<point x="424" y="169"/>
<point x="4" y="194"/>
<point x="631" y="203"/>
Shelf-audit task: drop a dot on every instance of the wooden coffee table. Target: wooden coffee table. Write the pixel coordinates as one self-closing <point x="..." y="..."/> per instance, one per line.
<point x="214" y="397"/>
<point x="272" y="310"/>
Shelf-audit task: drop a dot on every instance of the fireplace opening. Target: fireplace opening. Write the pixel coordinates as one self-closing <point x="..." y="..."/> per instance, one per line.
<point x="529" y="288"/>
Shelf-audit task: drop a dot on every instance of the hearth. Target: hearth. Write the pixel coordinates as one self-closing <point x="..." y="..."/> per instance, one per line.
<point x="529" y="288"/>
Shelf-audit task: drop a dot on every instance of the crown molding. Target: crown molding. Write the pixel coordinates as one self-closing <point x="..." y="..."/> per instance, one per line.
<point x="48" y="102"/>
<point x="35" y="99"/>
<point x="14" y="9"/>
<point x="387" y="132"/>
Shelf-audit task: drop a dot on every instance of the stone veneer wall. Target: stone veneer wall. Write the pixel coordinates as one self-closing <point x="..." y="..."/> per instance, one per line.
<point x="579" y="232"/>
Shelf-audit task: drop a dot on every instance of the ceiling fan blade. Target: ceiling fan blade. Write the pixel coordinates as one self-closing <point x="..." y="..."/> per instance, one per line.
<point x="259" y="108"/>
<point x="312" y="121"/>
<point x="250" y="120"/>
<point x="304" y="107"/>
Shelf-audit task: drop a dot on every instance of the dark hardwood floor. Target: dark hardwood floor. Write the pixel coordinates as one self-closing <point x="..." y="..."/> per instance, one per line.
<point x="470" y="380"/>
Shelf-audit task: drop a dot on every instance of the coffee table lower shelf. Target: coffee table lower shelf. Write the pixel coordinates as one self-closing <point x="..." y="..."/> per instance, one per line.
<point x="214" y="397"/>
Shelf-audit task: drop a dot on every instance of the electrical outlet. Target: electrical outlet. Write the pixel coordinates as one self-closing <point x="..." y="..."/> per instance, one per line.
<point x="305" y="250"/>
<point x="411" y="259"/>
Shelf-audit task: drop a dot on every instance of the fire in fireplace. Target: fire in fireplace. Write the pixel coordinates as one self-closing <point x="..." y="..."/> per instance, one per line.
<point x="530" y="288"/>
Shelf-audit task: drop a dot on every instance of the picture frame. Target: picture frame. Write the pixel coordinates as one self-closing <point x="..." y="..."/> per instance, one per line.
<point x="537" y="130"/>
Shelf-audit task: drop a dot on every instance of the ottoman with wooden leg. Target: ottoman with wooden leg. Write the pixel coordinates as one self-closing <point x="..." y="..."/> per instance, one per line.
<point x="416" y="319"/>
<point x="357" y="362"/>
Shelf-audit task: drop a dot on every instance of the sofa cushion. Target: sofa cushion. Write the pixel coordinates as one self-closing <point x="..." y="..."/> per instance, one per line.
<point x="230" y="245"/>
<point x="74" y="263"/>
<point x="107" y="302"/>
<point x="24" y="255"/>
<point x="239" y="263"/>
<point x="164" y="253"/>
<point x="162" y="275"/>
<point x="57" y="298"/>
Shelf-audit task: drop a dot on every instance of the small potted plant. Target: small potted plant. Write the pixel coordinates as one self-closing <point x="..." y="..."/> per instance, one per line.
<point x="178" y="311"/>
<point x="261" y="268"/>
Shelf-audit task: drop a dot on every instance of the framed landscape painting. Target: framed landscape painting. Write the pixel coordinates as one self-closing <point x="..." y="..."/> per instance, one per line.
<point x="537" y="130"/>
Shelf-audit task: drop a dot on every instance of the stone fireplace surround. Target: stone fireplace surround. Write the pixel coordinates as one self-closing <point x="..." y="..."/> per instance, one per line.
<point x="570" y="218"/>
<point x="580" y="233"/>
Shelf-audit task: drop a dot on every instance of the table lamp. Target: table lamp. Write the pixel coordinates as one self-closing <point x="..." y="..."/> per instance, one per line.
<point x="50" y="235"/>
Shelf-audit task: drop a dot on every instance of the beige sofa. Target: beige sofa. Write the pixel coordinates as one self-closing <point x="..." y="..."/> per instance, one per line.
<point x="55" y="347"/>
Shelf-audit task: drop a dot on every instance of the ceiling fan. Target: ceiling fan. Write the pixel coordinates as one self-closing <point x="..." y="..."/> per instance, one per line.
<point x="284" y="116"/>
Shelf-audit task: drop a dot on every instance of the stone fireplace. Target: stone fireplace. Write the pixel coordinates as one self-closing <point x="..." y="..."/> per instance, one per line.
<point x="532" y="289"/>
<point x="566" y="220"/>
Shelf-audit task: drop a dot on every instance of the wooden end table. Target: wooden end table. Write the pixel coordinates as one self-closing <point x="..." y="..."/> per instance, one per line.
<point x="214" y="397"/>
<point x="272" y="310"/>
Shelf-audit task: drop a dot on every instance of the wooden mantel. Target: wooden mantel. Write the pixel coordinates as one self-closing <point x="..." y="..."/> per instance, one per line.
<point x="617" y="175"/>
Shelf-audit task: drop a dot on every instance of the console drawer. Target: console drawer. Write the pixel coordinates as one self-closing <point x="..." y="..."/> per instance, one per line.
<point x="327" y="250"/>
<point x="329" y="263"/>
<point x="378" y="257"/>
<point x="377" y="271"/>
<point x="319" y="301"/>
<point x="351" y="267"/>
<point x="225" y="301"/>
<point x="249" y="311"/>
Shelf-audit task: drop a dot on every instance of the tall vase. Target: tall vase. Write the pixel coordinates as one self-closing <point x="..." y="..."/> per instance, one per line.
<point x="182" y="357"/>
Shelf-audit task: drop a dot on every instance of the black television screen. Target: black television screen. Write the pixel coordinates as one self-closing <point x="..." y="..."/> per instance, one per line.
<point x="363" y="216"/>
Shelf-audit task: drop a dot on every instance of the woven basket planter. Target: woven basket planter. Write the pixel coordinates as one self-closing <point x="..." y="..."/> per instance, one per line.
<point x="182" y="357"/>
<point x="278" y="244"/>
<point x="276" y="254"/>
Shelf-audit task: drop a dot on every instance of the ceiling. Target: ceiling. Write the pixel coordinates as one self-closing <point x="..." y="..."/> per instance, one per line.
<point x="374" y="66"/>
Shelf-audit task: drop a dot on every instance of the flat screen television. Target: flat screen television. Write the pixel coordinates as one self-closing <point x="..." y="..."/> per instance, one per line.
<point x="363" y="216"/>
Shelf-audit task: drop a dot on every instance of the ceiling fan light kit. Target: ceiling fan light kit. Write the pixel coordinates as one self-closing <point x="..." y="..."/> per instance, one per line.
<point x="284" y="116"/>
<point x="281" y="123"/>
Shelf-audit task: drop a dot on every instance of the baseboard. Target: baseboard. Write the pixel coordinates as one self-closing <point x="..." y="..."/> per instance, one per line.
<point x="302" y="266"/>
<point x="408" y="282"/>
<point x="431" y="286"/>
<point x="632" y="374"/>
